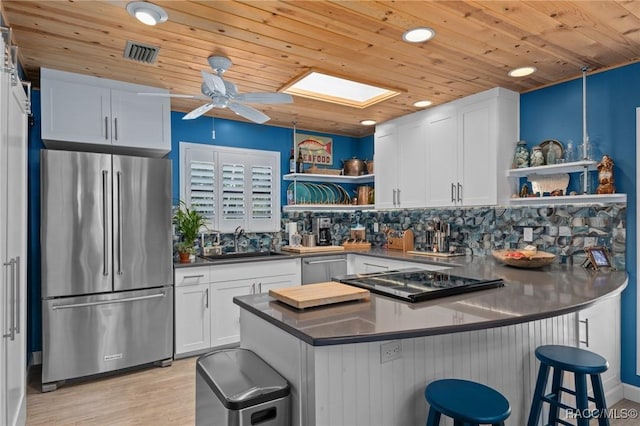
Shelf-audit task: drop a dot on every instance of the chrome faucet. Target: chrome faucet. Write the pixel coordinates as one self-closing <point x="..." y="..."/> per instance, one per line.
<point x="236" y="236"/>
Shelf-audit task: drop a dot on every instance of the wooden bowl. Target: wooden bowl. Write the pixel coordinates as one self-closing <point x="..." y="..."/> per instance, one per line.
<point x="537" y="260"/>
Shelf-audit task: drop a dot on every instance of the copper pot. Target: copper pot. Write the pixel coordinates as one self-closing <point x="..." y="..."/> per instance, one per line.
<point x="354" y="167"/>
<point x="365" y="195"/>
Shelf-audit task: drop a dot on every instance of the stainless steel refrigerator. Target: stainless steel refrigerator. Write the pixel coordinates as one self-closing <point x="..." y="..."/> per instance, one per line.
<point x="107" y="297"/>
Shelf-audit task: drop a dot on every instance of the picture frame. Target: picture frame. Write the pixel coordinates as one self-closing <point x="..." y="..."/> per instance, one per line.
<point x="597" y="258"/>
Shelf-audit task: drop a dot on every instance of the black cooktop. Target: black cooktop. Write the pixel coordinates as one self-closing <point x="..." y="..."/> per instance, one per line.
<point x="416" y="285"/>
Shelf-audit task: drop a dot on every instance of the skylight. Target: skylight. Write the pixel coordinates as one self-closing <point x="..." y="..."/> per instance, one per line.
<point x="328" y="88"/>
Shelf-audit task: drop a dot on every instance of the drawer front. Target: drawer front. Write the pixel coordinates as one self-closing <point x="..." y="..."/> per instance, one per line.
<point x="254" y="269"/>
<point x="192" y="276"/>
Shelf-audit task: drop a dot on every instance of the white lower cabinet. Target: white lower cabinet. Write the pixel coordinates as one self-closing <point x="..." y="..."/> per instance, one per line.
<point x="599" y="332"/>
<point x="205" y="315"/>
<point x="193" y="318"/>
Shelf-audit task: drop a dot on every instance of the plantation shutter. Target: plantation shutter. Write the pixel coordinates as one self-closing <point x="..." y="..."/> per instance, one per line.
<point x="262" y="192"/>
<point x="201" y="184"/>
<point x="233" y="192"/>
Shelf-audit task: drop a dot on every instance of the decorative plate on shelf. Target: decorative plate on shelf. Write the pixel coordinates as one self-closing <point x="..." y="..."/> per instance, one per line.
<point x="524" y="258"/>
<point x="552" y="145"/>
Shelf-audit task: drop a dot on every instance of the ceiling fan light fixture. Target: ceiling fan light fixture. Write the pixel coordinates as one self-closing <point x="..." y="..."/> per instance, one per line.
<point x="422" y="104"/>
<point x="418" y="35"/>
<point x="368" y="122"/>
<point x="522" y="71"/>
<point x="147" y="13"/>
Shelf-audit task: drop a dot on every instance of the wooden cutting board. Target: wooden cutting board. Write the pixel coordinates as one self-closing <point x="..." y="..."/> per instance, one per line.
<point x="311" y="295"/>
<point x="316" y="249"/>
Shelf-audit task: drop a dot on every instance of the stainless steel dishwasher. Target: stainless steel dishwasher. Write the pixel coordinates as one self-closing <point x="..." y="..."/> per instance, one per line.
<point x="319" y="269"/>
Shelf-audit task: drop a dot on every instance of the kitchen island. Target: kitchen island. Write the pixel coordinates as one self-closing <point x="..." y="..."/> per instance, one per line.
<point x="332" y="356"/>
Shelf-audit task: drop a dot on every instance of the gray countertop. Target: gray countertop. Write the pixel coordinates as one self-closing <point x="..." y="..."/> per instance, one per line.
<point x="528" y="294"/>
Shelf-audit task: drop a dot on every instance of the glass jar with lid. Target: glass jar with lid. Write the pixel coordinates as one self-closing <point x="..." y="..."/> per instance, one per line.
<point x="521" y="158"/>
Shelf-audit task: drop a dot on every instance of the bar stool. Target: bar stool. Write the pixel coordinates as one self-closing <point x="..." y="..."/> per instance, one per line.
<point x="465" y="402"/>
<point x="581" y="363"/>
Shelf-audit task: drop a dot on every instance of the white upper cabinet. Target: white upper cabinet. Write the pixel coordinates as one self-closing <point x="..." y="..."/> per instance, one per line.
<point x="401" y="150"/>
<point x="96" y="114"/>
<point x="455" y="154"/>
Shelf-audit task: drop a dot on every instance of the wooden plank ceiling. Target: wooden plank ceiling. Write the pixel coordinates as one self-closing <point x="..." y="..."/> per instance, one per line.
<point x="273" y="42"/>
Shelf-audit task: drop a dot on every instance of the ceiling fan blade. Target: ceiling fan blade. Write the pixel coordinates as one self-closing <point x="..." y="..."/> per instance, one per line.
<point x="248" y="112"/>
<point x="172" y="95"/>
<point x="214" y="83"/>
<point x="264" y="98"/>
<point x="198" y="111"/>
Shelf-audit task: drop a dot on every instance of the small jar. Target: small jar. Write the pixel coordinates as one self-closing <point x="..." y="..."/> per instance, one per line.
<point x="521" y="158"/>
<point x="537" y="157"/>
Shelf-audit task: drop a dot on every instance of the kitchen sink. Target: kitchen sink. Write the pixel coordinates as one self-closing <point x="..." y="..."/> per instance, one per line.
<point x="242" y="254"/>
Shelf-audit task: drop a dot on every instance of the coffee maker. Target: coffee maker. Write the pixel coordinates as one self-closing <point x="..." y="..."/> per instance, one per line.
<point x="321" y="228"/>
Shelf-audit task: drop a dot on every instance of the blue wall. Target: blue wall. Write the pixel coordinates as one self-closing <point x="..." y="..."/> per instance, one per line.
<point x="556" y="113"/>
<point x="228" y="133"/>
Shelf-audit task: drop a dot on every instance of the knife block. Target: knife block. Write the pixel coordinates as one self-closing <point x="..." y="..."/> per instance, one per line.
<point x="404" y="242"/>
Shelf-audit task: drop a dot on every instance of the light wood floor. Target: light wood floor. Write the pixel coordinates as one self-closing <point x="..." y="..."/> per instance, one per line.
<point x="153" y="396"/>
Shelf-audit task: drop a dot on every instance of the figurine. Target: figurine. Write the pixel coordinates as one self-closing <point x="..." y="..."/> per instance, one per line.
<point x="537" y="157"/>
<point x="605" y="176"/>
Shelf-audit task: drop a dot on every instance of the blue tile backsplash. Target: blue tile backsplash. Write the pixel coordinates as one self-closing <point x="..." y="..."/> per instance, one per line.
<point x="564" y="230"/>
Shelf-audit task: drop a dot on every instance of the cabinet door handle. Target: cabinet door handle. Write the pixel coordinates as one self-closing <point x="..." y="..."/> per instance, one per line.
<point x="16" y="264"/>
<point x="106" y="128"/>
<point x="11" y="285"/>
<point x="586" y="332"/>
<point x="194" y="276"/>
<point x="459" y="192"/>
<point x="253" y="288"/>
<point x="259" y="287"/>
<point x="453" y="190"/>
<point x="376" y="266"/>
<point x="115" y="128"/>
<point x="316" y="262"/>
<point x="206" y="298"/>
<point x="394" y="196"/>
<point x="398" y="197"/>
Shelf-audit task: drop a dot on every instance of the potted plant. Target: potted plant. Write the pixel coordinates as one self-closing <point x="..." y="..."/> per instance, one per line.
<point x="188" y="222"/>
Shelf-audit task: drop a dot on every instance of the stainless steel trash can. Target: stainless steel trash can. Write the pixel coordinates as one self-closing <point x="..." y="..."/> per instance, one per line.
<point x="235" y="387"/>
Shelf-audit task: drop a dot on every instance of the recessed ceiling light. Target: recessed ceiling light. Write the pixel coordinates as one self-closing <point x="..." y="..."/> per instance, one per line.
<point x="418" y="35"/>
<point x="422" y="104"/>
<point x="522" y="71"/>
<point x="147" y="13"/>
<point x="368" y="122"/>
<point x="324" y="87"/>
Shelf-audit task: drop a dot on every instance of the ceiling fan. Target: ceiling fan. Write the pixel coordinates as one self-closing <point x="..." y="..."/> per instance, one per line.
<point x="224" y="94"/>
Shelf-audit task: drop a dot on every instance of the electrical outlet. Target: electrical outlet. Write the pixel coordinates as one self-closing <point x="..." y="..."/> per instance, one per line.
<point x="376" y="227"/>
<point x="528" y="235"/>
<point x="390" y="351"/>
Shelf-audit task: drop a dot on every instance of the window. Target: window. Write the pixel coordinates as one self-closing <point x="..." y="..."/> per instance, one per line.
<point x="232" y="187"/>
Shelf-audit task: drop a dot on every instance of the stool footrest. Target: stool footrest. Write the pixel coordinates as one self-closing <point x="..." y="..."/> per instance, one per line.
<point x="550" y="398"/>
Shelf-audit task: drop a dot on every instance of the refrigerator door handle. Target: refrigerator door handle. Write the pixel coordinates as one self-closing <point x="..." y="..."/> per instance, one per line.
<point x="107" y="302"/>
<point x="119" y="179"/>
<point x="12" y="330"/>
<point x="105" y="224"/>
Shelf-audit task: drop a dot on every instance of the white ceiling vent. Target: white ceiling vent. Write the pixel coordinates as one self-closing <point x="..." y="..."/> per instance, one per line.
<point x="141" y="52"/>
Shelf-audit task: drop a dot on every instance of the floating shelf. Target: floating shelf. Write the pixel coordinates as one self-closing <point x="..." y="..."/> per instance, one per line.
<point x="570" y="199"/>
<point x="576" y="166"/>
<point x="326" y="207"/>
<point x="311" y="177"/>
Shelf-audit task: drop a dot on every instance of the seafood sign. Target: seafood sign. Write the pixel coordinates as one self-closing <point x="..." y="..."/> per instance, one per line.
<point x="315" y="149"/>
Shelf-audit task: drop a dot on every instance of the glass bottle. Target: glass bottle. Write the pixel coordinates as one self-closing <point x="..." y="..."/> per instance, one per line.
<point x="521" y="158"/>
<point x="292" y="163"/>
<point x="299" y="163"/>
